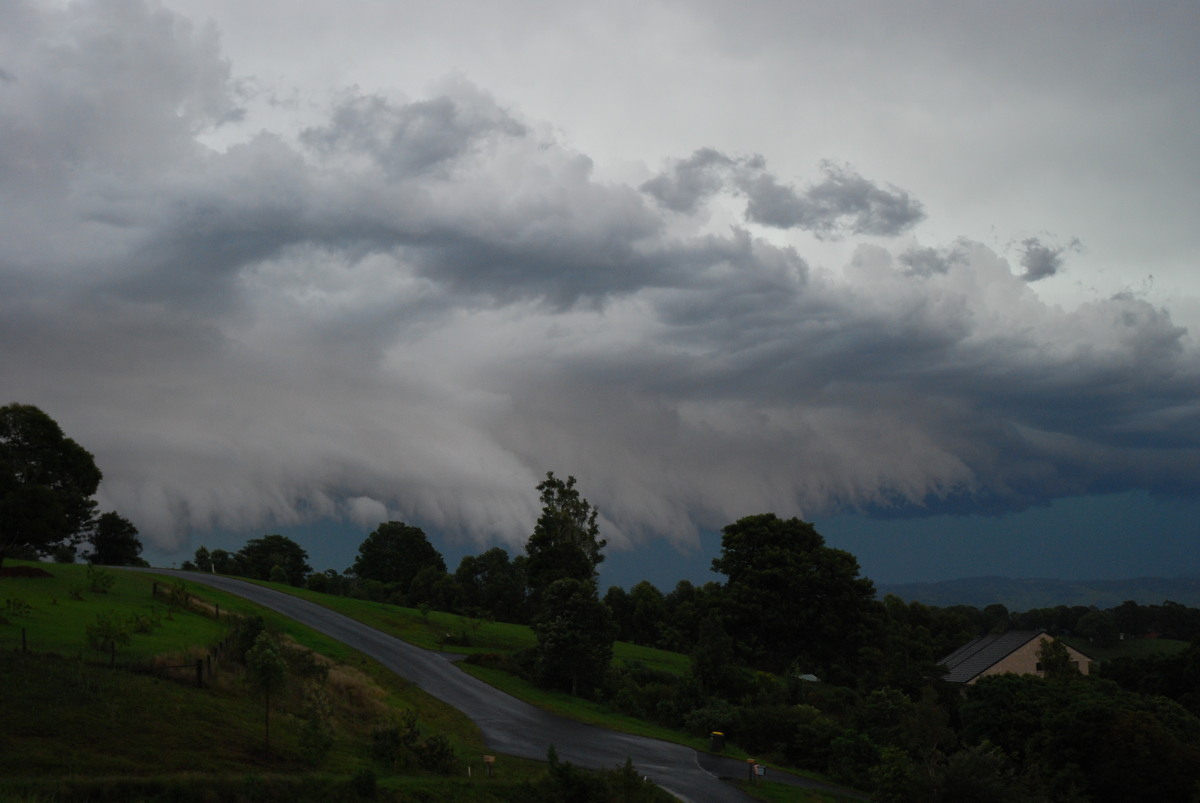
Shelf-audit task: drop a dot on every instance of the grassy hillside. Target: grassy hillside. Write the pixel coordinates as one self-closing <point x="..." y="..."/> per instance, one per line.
<point x="470" y="636"/>
<point x="79" y="725"/>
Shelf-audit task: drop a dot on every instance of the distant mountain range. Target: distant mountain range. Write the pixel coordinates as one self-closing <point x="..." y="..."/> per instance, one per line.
<point x="1023" y="595"/>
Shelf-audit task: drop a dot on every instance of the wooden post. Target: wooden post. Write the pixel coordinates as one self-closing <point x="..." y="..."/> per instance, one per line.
<point x="218" y="605"/>
<point x="154" y="590"/>
<point x="199" y="674"/>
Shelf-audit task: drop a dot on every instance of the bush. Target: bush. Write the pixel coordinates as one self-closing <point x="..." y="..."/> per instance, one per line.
<point x="144" y="622"/>
<point x="436" y="755"/>
<point x="244" y="633"/>
<point x="316" y="735"/>
<point x="106" y="633"/>
<point x="64" y="553"/>
<point x="395" y="746"/>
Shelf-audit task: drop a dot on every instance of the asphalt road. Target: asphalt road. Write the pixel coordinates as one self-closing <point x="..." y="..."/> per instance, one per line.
<point x="509" y="725"/>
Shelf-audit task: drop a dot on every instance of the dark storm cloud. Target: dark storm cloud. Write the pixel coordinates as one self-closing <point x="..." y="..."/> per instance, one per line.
<point x="691" y="181"/>
<point x="843" y="203"/>
<point x="1040" y="260"/>
<point x="416" y="308"/>
<point x="409" y="139"/>
<point x="928" y="261"/>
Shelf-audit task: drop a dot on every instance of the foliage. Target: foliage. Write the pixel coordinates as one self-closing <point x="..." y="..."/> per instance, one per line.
<point x="316" y="732"/>
<point x="106" y="632"/>
<point x="46" y="482"/>
<point x="493" y="583"/>
<point x="267" y="672"/>
<point x="565" y="781"/>
<point x="1116" y="745"/>
<point x="714" y="668"/>
<point x="1099" y="627"/>
<point x="394" y="745"/>
<point x="565" y="543"/>
<point x="1054" y="659"/>
<point x="790" y="597"/>
<point x="99" y="581"/>
<point x="394" y="553"/>
<point x="575" y="635"/>
<point x="260" y="555"/>
<point x="115" y="542"/>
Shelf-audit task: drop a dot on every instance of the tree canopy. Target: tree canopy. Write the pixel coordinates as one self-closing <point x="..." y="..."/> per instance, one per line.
<point x="46" y="482"/>
<point x="115" y="542"/>
<point x="260" y="555"/>
<point x="566" y="542"/>
<point x="789" y="597"/>
<point x="493" y="583"/>
<point x="395" y="553"/>
<point x="575" y="633"/>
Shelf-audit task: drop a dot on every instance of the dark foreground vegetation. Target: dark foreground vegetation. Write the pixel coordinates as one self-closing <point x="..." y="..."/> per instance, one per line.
<point x="790" y="659"/>
<point x="793" y="661"/>
<point x="103" y="701"/>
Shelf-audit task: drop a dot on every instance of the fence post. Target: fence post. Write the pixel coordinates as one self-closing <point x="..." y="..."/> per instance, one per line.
<point x="154" y="590"/>
<point x="199" y="674"/>
<point x="218" y="610"/>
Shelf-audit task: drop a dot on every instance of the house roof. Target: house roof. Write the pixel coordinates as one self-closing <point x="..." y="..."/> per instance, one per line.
<point x="978" y="655"/>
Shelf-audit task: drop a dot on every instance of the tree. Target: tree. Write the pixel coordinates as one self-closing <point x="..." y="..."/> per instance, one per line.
<point x="115" y="542"/>
<point x="494" y="584"/>
<point x="1054" y="660"/>
<point x="713" y="665"/>
<point x="395" y="553"/>
<point x="260" y="555"/>
<point x="46" y="482"/>
<point x="565" y="543"/>
<point x="649" y="614"/>
<point x="268" y="670"/>
<point x="575" y="633"/>
<point x="788" y="596"/>
<point x="1099" y="627"/>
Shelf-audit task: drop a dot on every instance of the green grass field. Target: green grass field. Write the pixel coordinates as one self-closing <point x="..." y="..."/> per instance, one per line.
<point x="76" y="728"/>
<point x="55" y="612"/>
<point x="1128" y="648"/>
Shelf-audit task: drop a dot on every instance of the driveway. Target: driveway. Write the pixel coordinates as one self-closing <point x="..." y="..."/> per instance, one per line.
<point x="509" y="725"/>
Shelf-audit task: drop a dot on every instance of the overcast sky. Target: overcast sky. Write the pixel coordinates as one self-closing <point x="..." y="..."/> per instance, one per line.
<point x="922" y="272"/>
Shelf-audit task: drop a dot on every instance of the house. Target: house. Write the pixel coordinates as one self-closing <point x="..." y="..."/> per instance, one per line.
<point x="1013" y="652"/>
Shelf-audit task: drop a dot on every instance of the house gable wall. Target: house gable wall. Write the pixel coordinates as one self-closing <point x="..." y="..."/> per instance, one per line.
<point x="1024" y="661"/>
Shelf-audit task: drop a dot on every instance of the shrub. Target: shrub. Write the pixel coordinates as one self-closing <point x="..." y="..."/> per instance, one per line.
<point x="395" y="745"/>
<point x="436" y="755"/>
<point x="144" y="622"/>
<point x="106" y="632"/>
<point x="100" y="581"/>
<point x="316" y="735"/>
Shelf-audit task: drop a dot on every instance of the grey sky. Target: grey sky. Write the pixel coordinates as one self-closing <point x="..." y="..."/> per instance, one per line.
<point x="369" y="260"/>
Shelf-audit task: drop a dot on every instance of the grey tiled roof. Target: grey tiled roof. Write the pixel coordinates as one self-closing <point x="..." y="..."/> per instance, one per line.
<point x="978" y="655"/>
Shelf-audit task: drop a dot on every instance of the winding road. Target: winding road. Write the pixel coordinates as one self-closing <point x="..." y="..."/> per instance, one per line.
<point x="509" y="725"/>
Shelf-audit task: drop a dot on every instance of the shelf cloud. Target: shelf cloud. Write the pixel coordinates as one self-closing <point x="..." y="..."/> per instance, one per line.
<point x="416" y="307"/>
